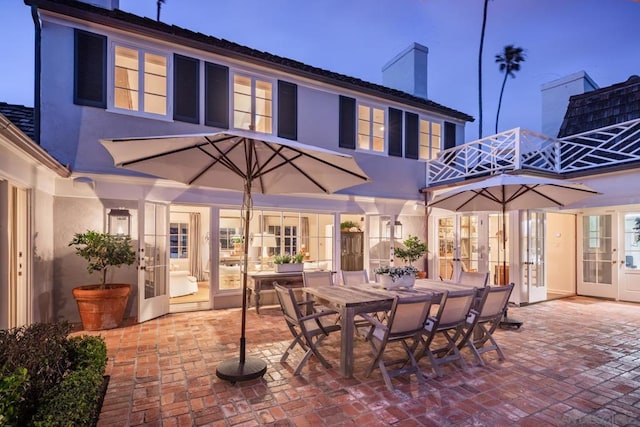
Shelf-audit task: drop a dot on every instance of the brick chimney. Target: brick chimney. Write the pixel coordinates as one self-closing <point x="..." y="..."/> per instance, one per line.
<point x="408" y="71"/>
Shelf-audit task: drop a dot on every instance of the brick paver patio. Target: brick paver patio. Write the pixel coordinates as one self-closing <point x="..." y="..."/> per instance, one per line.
<point x="575" y="361"/>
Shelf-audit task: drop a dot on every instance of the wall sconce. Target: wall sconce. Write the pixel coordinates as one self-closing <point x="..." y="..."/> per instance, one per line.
<point x="119" y="222"/>
<point x="397" y="229"/>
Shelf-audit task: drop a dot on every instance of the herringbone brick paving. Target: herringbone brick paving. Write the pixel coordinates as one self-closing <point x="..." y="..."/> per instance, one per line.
<point x="574" y="362"/>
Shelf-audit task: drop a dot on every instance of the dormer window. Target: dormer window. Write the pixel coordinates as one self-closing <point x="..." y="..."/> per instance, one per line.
<point x="252" y="104"/>
<point x="140" y="81"/>
<point x="371" y="128"/>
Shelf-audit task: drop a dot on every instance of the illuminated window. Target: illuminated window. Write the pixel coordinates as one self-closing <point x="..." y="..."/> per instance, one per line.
<point x="140" y="81"/>
<point x="178" y="240"/>
<point x="252" y="104"/>
<point x="430" y="139"/>
<point x="371" y="128"/>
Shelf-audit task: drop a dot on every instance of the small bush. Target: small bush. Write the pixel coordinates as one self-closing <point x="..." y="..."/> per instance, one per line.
<point x="48" y="379"/>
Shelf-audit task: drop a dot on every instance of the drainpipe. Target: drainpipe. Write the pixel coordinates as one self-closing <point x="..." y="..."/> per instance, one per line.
<point x="37" y="73"/>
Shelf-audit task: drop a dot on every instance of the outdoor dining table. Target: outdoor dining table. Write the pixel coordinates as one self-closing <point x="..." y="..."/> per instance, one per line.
<point x="350" y="301"/>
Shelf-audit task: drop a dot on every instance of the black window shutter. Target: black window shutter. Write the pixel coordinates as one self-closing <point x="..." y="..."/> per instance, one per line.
<point x="347" y="123"/>
<point x="186" y="79"/>
<point x="411" y="135"/>
<point x="216" y="88"/>
<point x="90" y="69"/>
<point x="449" y="135"/>
<point x="287" y="110"/>
<point x="395" y="132"/>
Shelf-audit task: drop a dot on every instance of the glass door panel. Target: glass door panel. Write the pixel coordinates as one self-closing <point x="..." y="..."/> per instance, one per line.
<point x="153" y="298"/>
<point x="498" y="250"/>
<point x="532" y="255"/>
<point x="446" y="248"/>
<point x="629" y="263"/>
<point x="469" y="244"/>
<point x="598" y="256"/>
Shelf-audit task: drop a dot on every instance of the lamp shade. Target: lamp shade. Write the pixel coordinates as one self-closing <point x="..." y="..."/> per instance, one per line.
<point x="266" y="240"/>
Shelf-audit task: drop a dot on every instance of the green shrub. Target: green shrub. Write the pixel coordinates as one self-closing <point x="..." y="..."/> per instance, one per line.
<point x="12" y="389"/>
<point x="48" y="379"/>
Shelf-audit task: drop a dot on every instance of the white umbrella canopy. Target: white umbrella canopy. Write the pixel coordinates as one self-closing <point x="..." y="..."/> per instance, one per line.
<point x="229" y="159"/>
<point x="509" y="192"/>
<point x="242" y="161"/>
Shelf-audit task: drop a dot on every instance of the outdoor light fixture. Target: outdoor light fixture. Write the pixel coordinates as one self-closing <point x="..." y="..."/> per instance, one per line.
<point x="119" y="222"/>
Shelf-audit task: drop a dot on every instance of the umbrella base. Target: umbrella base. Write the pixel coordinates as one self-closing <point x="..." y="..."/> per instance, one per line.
<point x="233" y="371"/>
<point x="510" y="323"/>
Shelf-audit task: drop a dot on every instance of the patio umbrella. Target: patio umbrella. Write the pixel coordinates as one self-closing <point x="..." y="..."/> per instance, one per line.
<point x="242" y="161"/>
<point x="505" y="192"/>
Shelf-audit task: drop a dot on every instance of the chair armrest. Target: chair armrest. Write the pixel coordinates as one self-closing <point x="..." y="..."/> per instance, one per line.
<point x="373" y="320"/>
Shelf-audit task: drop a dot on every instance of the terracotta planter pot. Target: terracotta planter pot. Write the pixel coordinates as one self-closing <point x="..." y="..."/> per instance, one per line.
<point x="102" y="308"/>
<point x="422" y="275"/>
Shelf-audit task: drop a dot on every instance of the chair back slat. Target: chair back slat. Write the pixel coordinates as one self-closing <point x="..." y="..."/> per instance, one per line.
<point x="455" y="307"/>
<point x="315" y="279"/>
<point x="495" y="301"/>
<point x="357" y="277"/>
<point x="409" y="314"/>
<point x="473" y="279"/>
<point x="287" y="301"/>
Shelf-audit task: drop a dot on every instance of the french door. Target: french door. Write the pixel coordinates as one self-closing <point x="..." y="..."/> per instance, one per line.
<point x="532" y="255"/>
<point x="629" y="262"/>
<point x="598" y="255"/>
<point x="153" y="274"/>
<point x="459" y="245"/>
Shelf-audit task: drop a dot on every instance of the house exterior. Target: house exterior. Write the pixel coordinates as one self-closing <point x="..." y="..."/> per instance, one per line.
<point x="589" y="248"/>
<point x="105" y="73"/>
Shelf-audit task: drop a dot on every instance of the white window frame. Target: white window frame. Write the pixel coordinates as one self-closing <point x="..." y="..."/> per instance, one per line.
<point x="111" y="80"/>
<point x="253" y="78"/>
<point x="385" y="135"/>
<point x="430" y="138"/>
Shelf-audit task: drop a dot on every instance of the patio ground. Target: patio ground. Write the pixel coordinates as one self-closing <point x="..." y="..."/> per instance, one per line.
<point x="575" y="361"/>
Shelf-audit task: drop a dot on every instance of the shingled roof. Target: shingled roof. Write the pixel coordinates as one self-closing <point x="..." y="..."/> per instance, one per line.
<point x="607" y="106"/>
<point x="146" y="26"/>
<point x="20" y="116"/>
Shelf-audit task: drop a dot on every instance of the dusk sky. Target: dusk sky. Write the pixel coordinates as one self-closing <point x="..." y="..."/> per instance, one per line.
<point x="357" y="37"/>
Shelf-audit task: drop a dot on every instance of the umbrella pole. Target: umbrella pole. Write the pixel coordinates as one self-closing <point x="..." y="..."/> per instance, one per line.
<point x="243" y="368"/>
<point x="506" y="322"/>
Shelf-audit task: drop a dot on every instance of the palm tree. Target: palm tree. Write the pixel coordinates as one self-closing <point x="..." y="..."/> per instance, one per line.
<point x="484" y="25"/>
<point x="509" y="61"/>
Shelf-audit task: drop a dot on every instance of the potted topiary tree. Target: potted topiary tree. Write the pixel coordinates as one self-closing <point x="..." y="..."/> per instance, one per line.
<point x="412" y="250"/>
<point x="102" y="305"/>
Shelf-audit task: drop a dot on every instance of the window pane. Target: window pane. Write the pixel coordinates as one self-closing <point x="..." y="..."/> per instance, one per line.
<point x="378" y="145"/>
<point x="263" y="124"/>
<point x="127" y="99"/>
<point x="156" y="85"/>
<point x="155" y="64"/>
<point x="363" y="142"/>
<point x="155" y="104"/>
<point x="242" y="84"/>
<point x="241" y="120"/>
<point x="364" y="113"/>
<point x="263" y="90"/>
<point x="378" y="116"/>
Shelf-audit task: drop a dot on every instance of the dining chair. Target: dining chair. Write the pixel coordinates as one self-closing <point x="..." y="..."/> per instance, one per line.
<point x="454" y="319"/>
<point x="314" y="279"/>
<point x="357" y="277"/>
<point x="491" y="310"/>
<point x="474" y="279"/>
<point x="403" y="324"/>
<point x="308" y="330"/>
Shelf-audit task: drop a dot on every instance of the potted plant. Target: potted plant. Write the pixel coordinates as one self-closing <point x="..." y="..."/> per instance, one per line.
<point x="395" y="277"/>
<point x="102" y="305"/>
<point x="286" y="263"/>
<point x="412" y="250"/>
<point x="349" y="226"/>
<point x="238" y="247"/>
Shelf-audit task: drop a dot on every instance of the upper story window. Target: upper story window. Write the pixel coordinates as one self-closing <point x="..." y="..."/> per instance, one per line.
<point x="252" y="104"/>
<point x="430" y="139"/>
<point x="140" y="81"/>
<point x="371" y="128"/>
